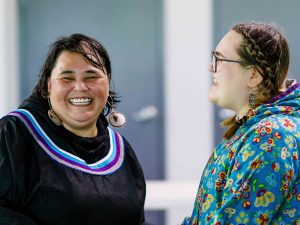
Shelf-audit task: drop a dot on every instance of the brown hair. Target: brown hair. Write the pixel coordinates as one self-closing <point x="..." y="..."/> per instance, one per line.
<point x="264" y="48"/>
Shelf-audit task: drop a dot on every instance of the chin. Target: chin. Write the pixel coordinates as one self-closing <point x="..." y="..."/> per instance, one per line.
<point x="212" y="98"/>
<point x="86" y="119"/>
<point x="83" y="125"/>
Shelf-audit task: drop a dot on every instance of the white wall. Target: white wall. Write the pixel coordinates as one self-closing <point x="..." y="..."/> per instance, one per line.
<point x="9" y="88"/>
<point x="188" y="113"/>
<point x="188" y="116"/>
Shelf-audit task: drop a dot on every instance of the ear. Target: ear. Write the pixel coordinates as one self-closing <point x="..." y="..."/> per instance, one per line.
<point x="255" y="79"/>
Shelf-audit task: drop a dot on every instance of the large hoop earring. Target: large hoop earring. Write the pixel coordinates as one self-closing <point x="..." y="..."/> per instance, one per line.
<point x="52" y="115"/>
<point x="116" y="119"/>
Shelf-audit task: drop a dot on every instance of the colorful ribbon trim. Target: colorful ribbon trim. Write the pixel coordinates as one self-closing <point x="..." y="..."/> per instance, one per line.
<point x="109" y="164"/>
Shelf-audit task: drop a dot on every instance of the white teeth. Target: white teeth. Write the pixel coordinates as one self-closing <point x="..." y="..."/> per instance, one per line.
<point x="80" y="101"/>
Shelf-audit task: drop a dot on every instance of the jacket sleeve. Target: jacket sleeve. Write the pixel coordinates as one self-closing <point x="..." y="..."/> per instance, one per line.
<point x="10" y="196"/>
<point x="261" y="178"/>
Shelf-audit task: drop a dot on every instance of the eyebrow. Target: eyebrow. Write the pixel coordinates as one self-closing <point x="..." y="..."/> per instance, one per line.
<point x="91" y="71"/>
<point x="71" y="71"/>
<point x="66" y="72"/>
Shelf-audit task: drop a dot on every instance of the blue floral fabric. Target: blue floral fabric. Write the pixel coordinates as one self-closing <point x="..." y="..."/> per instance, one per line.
<point x="253" y="178"/>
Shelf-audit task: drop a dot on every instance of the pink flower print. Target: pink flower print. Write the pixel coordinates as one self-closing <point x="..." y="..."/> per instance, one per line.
<point x="288" y="124"/>
<point x="287" y="109"/>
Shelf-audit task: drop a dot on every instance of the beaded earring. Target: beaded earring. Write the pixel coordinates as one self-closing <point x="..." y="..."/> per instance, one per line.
<point x="251" y="100"/>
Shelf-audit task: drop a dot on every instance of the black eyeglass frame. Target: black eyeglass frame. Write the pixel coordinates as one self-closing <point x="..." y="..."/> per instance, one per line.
<point x="215" y="59"/>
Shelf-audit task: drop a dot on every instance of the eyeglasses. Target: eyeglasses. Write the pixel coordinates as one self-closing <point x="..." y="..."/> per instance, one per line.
<point x="215" y="59"/>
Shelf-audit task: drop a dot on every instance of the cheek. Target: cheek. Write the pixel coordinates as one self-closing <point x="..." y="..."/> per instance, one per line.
<point x="228" y="77"/>
<point x="234" y="80"/>
<point x="230" y="86"/>
<point x="57" y="90"/>
<point x="101" y="88"/>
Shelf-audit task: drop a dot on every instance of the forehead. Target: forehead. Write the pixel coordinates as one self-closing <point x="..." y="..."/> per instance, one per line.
<point x="229" y="44"/>
<point x="85" y="50"/>
<point x="67" y="57"/>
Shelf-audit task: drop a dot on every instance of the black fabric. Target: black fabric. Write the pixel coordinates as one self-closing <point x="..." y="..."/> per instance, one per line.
<point x="39" y="190"/>
<point x="9" y="217"/>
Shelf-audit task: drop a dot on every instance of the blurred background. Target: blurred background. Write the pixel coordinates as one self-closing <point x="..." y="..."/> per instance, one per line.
<point x="159" y="50"/>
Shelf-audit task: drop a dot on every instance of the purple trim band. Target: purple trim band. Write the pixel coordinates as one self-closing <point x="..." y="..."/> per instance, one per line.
<point x="116" y="146"/>
<point x="287" y="92"/>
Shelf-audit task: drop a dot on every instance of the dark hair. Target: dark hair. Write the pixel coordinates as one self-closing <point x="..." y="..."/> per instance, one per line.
<point x="86" y="46"/>
<point x="264" y="48"/>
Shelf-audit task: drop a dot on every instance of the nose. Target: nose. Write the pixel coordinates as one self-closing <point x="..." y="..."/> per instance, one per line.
<point x="210" y="67"/>
<point x="80" y="85"/>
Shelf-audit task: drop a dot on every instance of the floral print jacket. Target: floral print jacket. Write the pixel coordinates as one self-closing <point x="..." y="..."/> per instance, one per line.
<point x="254" y="177"/>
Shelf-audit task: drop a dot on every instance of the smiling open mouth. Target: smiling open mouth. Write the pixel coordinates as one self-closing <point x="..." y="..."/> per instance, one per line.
<point x="80" y="101"/>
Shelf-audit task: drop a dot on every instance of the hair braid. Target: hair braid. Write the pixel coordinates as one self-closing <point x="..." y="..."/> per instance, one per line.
<point x="265" y="49"/>
<point x="269" y="85"/>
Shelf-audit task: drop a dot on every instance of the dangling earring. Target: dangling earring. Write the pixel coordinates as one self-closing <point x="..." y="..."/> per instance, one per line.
<point x="115" y="119"/>
<point x="251" y="100"/>
<point x="53" y="117"/>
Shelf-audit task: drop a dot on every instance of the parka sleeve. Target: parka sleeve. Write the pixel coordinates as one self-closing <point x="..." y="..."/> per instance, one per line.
<point x="262" y="177"/>
<point x="10" y="141"/>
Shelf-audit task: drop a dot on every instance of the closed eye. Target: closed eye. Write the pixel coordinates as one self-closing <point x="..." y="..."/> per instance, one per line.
<point x="91" y="77"/>
<point x="92" y="74"/>
<point x="67" y="78"/>
<point x="67" y="75"/>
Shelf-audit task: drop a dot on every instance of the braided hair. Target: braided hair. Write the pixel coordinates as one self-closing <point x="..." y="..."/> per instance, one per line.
<point x="265" y="49"/>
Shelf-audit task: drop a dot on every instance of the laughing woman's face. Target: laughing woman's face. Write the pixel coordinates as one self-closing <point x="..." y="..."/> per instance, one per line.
<point x="78" y="92"/>
<point x="230" y="88"/>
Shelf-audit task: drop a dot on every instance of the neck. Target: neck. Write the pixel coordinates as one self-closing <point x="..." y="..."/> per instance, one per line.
<point x="282" y="89"/>
<point x="90" y="132"/>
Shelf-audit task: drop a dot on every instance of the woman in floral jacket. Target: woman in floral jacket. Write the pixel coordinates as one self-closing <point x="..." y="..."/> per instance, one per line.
<point x="253" y="175"/>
